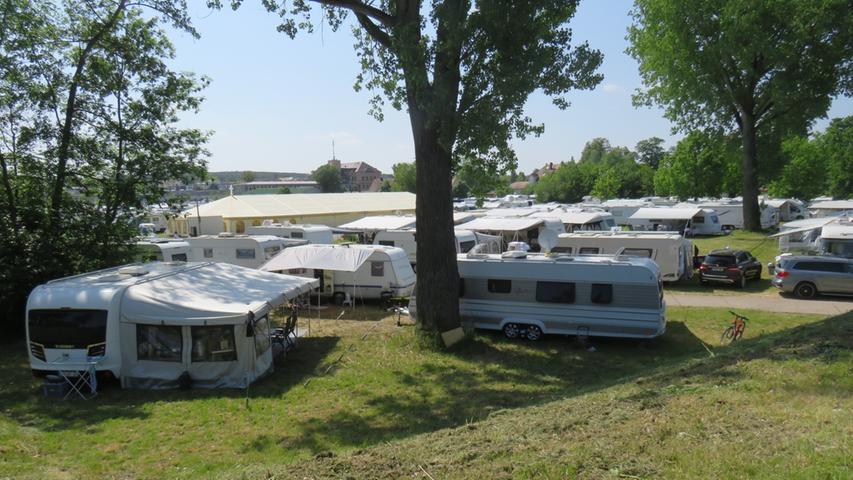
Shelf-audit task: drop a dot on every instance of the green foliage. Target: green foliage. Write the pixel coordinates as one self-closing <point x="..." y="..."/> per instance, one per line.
<point x="650" y="151"/>
<point x="283" y="190"/>
<point x="837" y="146"/>
<point x="248" y="176"/>
<point x="568" y="184"/>
<point x="805" y="174"/>
<point x="764" y="69"/>
<point x="699" y="166"/>
<point x="479" y="179"/>
<point x="626" y="179"/>
<point x="328" y="177"/>
<point x="405" y="178"/>
<point x="595" y="150"/>
<point x="88" y="134"/>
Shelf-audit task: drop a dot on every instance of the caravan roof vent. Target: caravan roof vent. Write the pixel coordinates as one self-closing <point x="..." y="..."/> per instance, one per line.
<point x="133" y="270"/>
<point x="225" y="234"/>
<point x="514" y="254"/>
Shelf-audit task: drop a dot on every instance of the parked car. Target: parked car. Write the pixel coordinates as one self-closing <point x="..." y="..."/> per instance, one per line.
<point x="734" y="267"/>
<point x="807" y="276"/>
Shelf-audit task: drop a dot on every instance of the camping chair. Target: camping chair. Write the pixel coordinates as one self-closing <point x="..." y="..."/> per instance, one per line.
<point x="290" y="330"/>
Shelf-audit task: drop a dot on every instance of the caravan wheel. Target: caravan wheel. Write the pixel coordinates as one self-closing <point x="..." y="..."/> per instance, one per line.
<point x="511" y="330"/>
<point x="533" y="333"/>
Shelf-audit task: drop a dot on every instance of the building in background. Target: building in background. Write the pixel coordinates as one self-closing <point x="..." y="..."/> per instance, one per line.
<point x="357" y="176"/>
<point x="272" y="186"/>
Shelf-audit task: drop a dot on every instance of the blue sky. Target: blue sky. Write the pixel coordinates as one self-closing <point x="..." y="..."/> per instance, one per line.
<point x="277" y="104"/>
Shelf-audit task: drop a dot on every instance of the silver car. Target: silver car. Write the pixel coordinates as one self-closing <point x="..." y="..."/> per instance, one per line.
<point x="807" y="276"/>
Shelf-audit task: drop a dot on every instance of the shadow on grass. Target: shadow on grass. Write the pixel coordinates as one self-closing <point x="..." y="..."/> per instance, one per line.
<point x="22" y="401"/>
<point x="692" y="285"/>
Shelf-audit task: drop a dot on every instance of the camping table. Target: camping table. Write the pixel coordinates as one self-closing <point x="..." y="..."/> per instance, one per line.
<point x="80" y="376"/>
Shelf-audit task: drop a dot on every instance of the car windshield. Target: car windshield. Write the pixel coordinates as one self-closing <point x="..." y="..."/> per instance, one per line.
<point x="720" y="260"/>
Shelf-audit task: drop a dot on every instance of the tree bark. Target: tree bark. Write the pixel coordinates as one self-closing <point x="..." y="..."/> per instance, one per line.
<point x="749" y="170"/>
<point x="438" y="277"/>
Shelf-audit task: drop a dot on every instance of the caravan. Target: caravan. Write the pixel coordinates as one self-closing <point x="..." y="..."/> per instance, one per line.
<point x="162" y="250"/>
<point x="465" y="241"/>
<point x="531" y="295"/>
<point x="349" y="271"/>
<point x="149" y="324"/>
<point x="575" y="220"/>
<point x="244" y="250"/>
<point x="309" y="233"/>
<point x="670" y="251"/>
<point x="730" y="213"/>
<point x="522" y="229"/>
<point x="690" y="221"/>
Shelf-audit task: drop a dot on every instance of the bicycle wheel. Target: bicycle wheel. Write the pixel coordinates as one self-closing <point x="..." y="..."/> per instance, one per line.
<point x="728" y="335"/>
<point x="738" y="334"/>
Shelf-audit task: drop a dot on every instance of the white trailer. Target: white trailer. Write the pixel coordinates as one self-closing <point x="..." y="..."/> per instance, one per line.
<point x="521" y="229"/>
<point x="575" y="220"/>
<point x="623" y="209"/>
<point x="349" y="271"/>
<point x="669" y="250"/>
<point x="730" y="214"/>
<point x="162" y="250"/>
<point x="465" y="241"/>
<point x="148" y="324"/>
<point x="789" y="208"/>
<point x="532" y="295"/>
<point x="244" y="250"/>
<point x="310" y="233"/>
<point x="828" y="208"/>
<point x="689" y="221"/>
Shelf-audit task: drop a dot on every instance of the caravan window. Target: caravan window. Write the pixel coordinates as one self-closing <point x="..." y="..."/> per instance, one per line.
<point x="208" y="253"/>
<point x="386" y="243"/>
<point x="567" y="250"/>
<point x="159" y="343"/>
<point x="601" y="293"/>
<point x="638" y="252"/>
<point x="499" y="286"/>
<point x="270" y="252"/>
<point x="297" y="235"/>
<point x="698" y="219"/>
<point x="213" y="344"/>
<point x="245" y="253"/>
<point x="377" y="269"/>
<point x="589" y="251"/>
<point x="555" y="292"/>
<point x="67" y="328"/>
<point x="466" y="246"/>
<point x="179" y="257"/>
<point x="262" y="335"/>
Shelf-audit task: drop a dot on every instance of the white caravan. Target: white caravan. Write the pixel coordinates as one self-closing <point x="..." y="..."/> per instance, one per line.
<point x="244" y="250"/>
<point x="789" y="209"/>
<point x="531" y="295"/>
<point x="622" y="209"/>
<point x="690" y="221"/>
<point x="670" y="251"/>
<point x="148" y="324"/>
<point x="730" y="214"/>
<point x="162" y="250"/>
<point x="575" y="220"/>
<point x="830" y="207"/>
<point x="522" y="229"/>
<point x="310" y="233"/>
<point x="349" y="271"/>
<point x="465" y="241"/>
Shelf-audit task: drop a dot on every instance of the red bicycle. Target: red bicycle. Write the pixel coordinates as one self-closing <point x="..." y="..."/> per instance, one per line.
<point x="735" y="330"/>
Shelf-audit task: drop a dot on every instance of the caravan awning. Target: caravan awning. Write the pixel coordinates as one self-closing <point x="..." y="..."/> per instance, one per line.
<point x="665" y="213"/>
<point x="346" y="258"/>
<point x="572" y="218"/>
<point x="380" y="223"/>
<point x="214" y="293"/>
<point x="493" y="224"/>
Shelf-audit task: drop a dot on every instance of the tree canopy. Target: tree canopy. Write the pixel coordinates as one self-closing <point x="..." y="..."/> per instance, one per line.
<point x="763" y="68"/>
<point x="405" y="177"/>
<point x="328" y="177"/>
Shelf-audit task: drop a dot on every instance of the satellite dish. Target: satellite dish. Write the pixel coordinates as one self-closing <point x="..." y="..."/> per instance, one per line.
<point x="548" y="239"/>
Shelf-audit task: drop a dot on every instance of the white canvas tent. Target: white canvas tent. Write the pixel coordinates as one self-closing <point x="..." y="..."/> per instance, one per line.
<point x="208" y="320"/>
<point x="380" y="223"/>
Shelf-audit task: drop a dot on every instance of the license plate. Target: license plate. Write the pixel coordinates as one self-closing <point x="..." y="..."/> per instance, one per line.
<point x="717" y="269"/>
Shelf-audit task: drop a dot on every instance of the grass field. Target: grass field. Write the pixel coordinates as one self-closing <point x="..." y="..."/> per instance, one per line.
<point x="763" y="248"/>
<point x="360" y="399"/>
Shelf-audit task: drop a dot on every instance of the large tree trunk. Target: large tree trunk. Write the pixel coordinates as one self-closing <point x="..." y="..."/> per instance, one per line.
<point x="438" y="277"/>
<point x="749" y="170"/>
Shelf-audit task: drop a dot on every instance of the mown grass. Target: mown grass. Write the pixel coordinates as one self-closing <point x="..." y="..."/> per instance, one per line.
<point x="763" y="248"/>
<point x="359" y="399"/>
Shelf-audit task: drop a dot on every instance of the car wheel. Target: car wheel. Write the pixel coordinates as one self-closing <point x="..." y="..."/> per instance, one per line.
<point x="511" y="330"/>
<point x="533" y="333"/>
<point x="805" y="290"/>
<point x="741" y="283"/>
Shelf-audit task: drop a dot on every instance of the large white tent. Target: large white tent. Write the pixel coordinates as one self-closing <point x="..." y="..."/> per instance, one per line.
<point x="208" y="320"/>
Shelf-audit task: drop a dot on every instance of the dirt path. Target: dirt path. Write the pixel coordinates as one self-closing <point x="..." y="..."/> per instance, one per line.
<point x="775" y="303"/>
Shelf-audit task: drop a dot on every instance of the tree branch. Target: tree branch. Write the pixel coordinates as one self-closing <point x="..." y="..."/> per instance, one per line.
<point x="373" y="30"/>
<point x="362" y="8"/>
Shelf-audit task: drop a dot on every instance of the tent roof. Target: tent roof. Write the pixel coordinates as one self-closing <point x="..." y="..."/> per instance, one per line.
<point x="501" y="224"/>
<point x="838" y="231"/>
<point x="573" y="217"/>
<point x="347" y="258"/>
<point x="302" y="204"/>
<point x="212" y="292"/>
<point x="666" y="213"/>
<point x="380" y="222"/>
<point x="833" y="205"/>
<point x="511" y="212"/>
